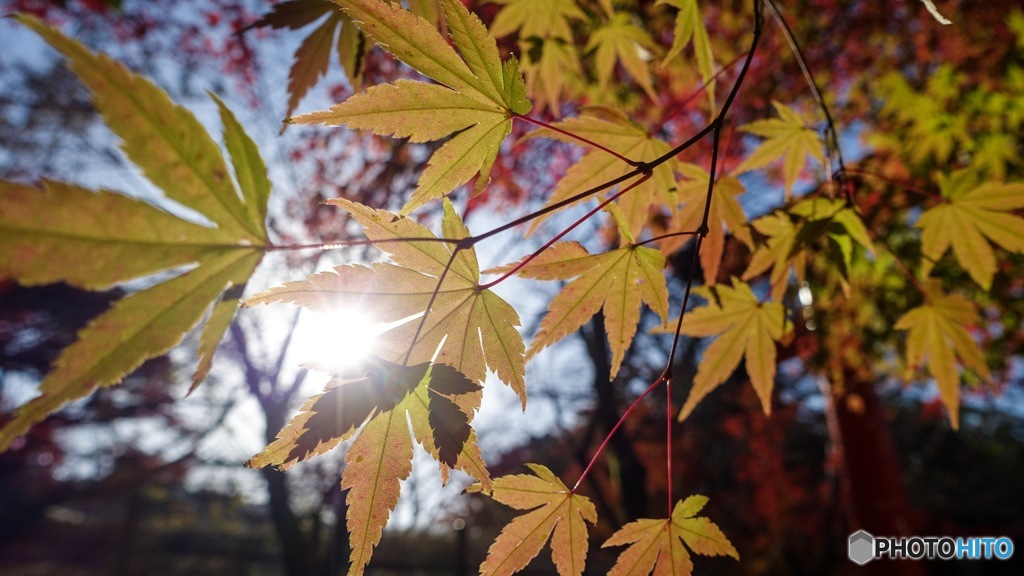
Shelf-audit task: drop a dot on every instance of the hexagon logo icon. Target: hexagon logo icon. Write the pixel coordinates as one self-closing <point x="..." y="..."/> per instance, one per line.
<point x="861" y="548"/>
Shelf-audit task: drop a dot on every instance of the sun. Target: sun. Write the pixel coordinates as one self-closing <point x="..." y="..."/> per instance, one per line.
<point x="336" y="339"/>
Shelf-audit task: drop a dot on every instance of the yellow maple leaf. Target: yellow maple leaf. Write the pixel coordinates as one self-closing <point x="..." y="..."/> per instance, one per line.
<point x="657" y="544"/>
<point x="554" y="510"/>
<point x="937" y="336"/>
<point x="475" y="104"/>
<point x="477" y="327"/>
<point x="972" y="213"/>
<point x="619" y="40"/>
<point x="690" y="26"/>
<point x="744" y="328"/>
<point x="788" y="137"/>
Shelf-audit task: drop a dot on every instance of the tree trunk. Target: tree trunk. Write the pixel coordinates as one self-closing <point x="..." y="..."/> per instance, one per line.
<point x="876" y="495"/>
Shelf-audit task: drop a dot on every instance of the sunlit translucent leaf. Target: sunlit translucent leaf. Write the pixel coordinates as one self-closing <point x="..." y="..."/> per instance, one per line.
<point x="555" y="509"/>
<point x="657" y="544"/>
<point x="163" y="139"/>
<point x="743" y="328"/>
<point x="619" y="40"/>
<point x="597" y="167"/>
<point x="475" y="105"/>
<point x="93" y="240"/>
<point x="938" y="334"/>
<point x="615" y="281"/>
<point x="690" y="26"/>
<point x="788" y="137"/>
<point x="725" y="213"/>
<point x="477" y="327"/>
<point x="972" y="216"/>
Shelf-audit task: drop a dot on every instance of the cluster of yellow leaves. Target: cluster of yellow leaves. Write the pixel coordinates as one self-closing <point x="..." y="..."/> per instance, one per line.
<point x="98" y="239"/>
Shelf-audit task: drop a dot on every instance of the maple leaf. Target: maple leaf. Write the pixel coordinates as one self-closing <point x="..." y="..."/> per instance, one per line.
<point x="787" y="241"/>
<point x="725" y="213"/>
<point x="314" y="52"/>
<point x="387" y="395"/>
<point x="690" y="26"/>
<point x="98" y="239"/>
<point x="744" y="327"/>
<point x="536" y="18"/>
<point x="971" y="213"/>
<point x="476" y="102"/>
<point x="937" y="335"/>
<point x="477" y="327"/>
<point x="615" y="132"/>
<point x="657" y="544"/>
<point x="554" y="509"/>
<point x="552" y="70"/>
<point x="616" y="281"/>
<point x="787" y="137"/>
<point x="619" y="40"/>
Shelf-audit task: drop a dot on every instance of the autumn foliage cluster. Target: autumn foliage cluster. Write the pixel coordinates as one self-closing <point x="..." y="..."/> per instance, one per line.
<point x="732" y="212"/>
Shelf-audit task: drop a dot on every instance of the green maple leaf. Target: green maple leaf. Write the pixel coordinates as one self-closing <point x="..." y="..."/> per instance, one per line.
<point x="971" y="213"/>
<point x="657" y="544"/>
<point x="937" y="335"/>
<point x="616" y="132"/>
<point x="555" y="512"/>
<point x="690" y="26"/>
<point x="475" y="102"/>
<point x="744" y="328"/>
<point x="619" y="40"/>
<point x="98" y="239"/>
<point x="787" y="137"/>
<point x="615" y="281"/>
<point x="314" y="52"/>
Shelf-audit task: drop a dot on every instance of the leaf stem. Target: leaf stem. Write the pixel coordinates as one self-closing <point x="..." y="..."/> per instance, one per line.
<point x="586" y="141"/>
<point x="608" y="438"/>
